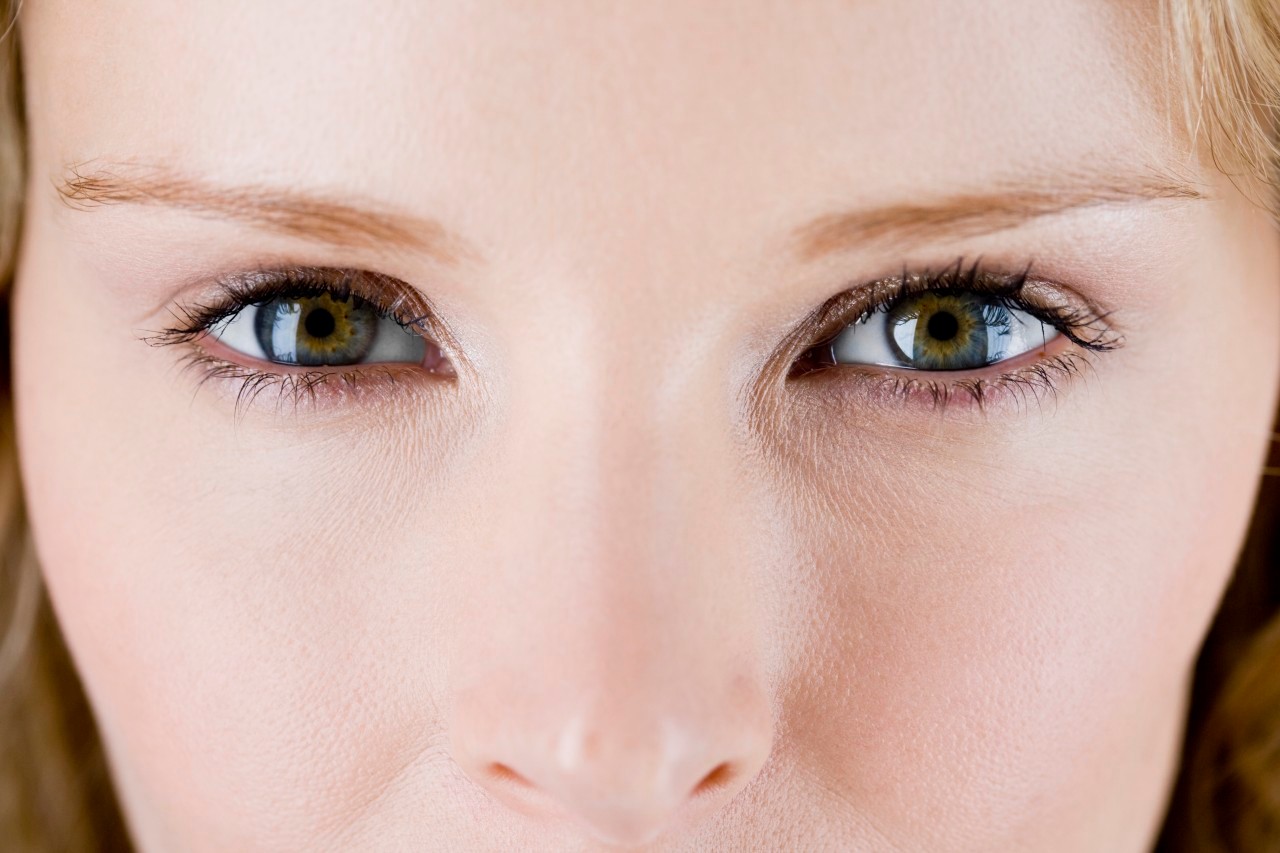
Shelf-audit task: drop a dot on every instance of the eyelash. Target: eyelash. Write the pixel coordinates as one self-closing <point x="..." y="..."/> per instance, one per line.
<point x="389" y="298"/>
<point x="1085" y="326"/>
<point x="1081" y="323"/>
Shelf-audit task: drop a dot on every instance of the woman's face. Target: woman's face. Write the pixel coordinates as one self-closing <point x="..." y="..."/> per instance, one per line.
<point x="431" y="440"/>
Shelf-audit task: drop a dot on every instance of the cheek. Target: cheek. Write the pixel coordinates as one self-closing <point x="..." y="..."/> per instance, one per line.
<point x="992" y="649"/>
<point x="229" y="591"/>
<point x="997" y="614"/>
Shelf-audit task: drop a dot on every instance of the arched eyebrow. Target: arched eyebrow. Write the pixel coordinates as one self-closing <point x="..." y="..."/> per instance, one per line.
<point x="327" y="220"/>
<point x="290" y="212"/>
<point x="969" y="214"/>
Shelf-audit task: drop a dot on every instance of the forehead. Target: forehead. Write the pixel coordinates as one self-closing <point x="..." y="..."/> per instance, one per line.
<point x="649" y="119"/>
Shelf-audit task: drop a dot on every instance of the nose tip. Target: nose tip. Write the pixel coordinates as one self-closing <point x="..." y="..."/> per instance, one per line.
<point x="625" y="789"/>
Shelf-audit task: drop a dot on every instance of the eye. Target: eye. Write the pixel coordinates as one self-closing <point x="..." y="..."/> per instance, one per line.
<point x="324" y="329"/>
<point x="941" y="331"/>
<point x="930" y="330"/>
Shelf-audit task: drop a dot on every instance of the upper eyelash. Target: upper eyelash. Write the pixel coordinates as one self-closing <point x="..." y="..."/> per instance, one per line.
<point x="235" y="293"/>
<point x="388" y="297"/>
<point x="1083" y="324"/>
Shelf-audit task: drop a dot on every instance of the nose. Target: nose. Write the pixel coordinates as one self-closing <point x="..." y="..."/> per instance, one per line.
<point x="624" y="776"/>
<point x="626" y="706"/>
<point x="615" y="729"/>
<point x="609" y="670"/>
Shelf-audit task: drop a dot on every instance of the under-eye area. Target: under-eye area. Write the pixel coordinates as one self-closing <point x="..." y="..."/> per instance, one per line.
<point x="307" y="334"/>
<point x="962" y="334"/>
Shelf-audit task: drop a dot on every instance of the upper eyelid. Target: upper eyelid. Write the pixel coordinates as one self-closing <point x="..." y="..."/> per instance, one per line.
<point x="1027" y="285"/>
<point x="238" y="291"/>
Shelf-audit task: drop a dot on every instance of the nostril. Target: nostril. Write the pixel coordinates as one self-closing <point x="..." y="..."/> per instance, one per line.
<point x="718" y="778"/>
<point x="503" y="773"/>
<point x="517" y="790"/>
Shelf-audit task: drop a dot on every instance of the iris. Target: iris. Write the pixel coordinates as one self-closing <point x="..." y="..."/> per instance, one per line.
<point x="316" y="330"/>
<point x="951" y="331"/>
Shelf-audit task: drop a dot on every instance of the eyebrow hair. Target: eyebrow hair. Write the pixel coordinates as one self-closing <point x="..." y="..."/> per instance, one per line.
<point x="290" y="212"/>
<point x="970" y="214"/>
<point x="322" y="219"/>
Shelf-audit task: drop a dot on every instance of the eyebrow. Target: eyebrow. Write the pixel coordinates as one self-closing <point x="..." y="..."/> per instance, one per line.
<point x="970" y="214"/>
<point x="323" y="219"/>
<point x="289" y="212"/>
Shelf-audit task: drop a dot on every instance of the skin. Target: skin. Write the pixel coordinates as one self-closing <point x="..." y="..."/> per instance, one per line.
<point x="620" y="582"/>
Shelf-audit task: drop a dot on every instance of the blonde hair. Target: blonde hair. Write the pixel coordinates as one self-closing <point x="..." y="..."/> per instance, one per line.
<point x="55" y="791"/>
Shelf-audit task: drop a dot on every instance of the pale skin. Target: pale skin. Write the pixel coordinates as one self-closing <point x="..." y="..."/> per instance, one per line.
<point x="614" y="578"/>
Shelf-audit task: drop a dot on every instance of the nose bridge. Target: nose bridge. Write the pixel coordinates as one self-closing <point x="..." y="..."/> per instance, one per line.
<point x="623" y="684"/>
<point x="619" y="459"/>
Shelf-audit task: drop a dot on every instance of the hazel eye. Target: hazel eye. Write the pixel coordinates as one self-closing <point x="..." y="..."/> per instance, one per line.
<point x="941" y="331"/>
<point x="322" y="330"/>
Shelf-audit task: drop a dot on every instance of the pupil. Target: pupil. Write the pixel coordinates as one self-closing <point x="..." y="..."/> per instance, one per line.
<point x="942" y="326"/>
<point x="320" y="323"/>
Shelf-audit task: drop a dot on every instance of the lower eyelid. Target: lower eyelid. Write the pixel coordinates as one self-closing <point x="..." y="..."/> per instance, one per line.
<point x="336" y="391"/>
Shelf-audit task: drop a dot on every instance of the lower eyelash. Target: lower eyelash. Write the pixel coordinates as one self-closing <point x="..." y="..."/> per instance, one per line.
<point x="296" y="388"/>
<point x="1018" y="389"/>
<point x="1032" y="383"/>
